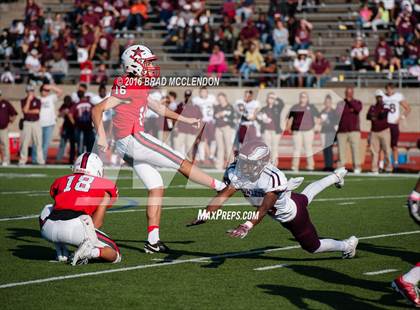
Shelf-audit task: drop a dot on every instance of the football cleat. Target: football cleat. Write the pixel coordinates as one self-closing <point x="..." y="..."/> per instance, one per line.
<point x="83" y="253"/>
<point x="340" y="173"/>
<point x="158" y="247"/>
<point x="409" y="291"/>
<point x="352" y="245"/>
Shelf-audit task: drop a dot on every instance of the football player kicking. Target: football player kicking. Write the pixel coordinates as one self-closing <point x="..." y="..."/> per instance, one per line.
<point x="267" y="188"/>
<point x="80" y="202"/>
<point x="406" y="284"/>
<point x="130" y="100"/>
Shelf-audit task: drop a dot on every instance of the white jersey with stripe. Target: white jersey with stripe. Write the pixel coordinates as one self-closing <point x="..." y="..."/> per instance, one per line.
<point x="254" y="191"/>
<point x="393" y="103"/>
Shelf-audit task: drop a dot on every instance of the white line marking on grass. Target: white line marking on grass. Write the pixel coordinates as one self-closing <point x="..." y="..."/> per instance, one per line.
<point x="183" y="261"/>
<point x="346" y="203"/>
<point x="271" y="267"/>
<point x="373" y="273"/>
<point x="32" y="216"/>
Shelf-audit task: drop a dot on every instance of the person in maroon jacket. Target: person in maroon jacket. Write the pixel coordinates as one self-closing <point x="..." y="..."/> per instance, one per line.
<point x="185" y="133"/>
<point x="383" y="55"/>
<point x="7" y="116"/>
<point x="380" y="135"/>
<point x="349" y="129"/>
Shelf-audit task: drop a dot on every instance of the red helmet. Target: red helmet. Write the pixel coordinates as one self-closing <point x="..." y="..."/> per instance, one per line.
<point x="253" y="156"/>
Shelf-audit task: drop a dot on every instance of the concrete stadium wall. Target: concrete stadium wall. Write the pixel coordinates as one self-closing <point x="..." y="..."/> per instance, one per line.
<point x="290" y="96"/>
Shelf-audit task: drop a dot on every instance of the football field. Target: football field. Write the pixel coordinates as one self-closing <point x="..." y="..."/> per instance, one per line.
<point x="206" y="269"/>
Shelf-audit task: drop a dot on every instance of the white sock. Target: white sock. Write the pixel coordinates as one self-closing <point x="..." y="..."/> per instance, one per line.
<point x="153" y="235"/>
<point x="316" y="187"/>
<point x="381" y="164"/>
<point x="331" y="245"/>
<point x="95" y="253"/>
<point x="413" y="276"/>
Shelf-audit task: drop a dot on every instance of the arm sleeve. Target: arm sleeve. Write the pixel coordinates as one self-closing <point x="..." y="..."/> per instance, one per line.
<point x="356" y="105"/>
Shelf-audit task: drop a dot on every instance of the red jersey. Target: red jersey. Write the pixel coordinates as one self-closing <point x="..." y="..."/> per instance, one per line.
<point x="81" y="192"/>
<point x="129" y="116"/>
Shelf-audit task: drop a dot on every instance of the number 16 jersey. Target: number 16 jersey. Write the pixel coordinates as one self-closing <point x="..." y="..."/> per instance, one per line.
<point x="129" y="115"/>
<point x="81" y="192"/>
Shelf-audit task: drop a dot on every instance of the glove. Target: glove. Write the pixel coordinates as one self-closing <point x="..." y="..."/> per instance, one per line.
<point x="241" y="231"/>
<point x="195" y="223"/>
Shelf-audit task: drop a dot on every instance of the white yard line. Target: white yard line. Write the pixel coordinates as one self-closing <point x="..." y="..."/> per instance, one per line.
<point x="346" y="203"/>
<point x="32" y="216"/>
<point x="271" y="267"/>
<point x="181" y="261"/>
<point x="373" y="273"/>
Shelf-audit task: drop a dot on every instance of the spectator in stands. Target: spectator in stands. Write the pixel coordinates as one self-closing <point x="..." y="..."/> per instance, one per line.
<point x="412" y="55"/>
<point x="303" y="35"/>
<point x="138" y="15"/>
<point x="349" y="129"/>
<point x="59" y="68"/>
<point x="329" y="125"/>
<point x="229" y="9"/>
<point x="270" y="116"/>
<point x="44" y="75"/>
<point x="7" y="77"/>
<point x="301" y="121"/>
<point x="67" y="131"/>
<point x="405" y="25"/>
<point x="244" y="9"/>
<point x="249" y="33"/>
<point x="217" y="62"/>
<point x="31" y="129"/>
<point x="253" y="61"/>
<point x="225" y="116"/>
<point x="81" y="117"/>
<point x="365" y="16"/>
<point x="7" y="117"/>
<point x="302" y="64"/>
<point x="32" y="11"/>
<point x="291" y="7"/>
<point x="383" y="55"/>
<point x="399" y="50"/>
<point x="33" y="65"/>
<point x="186" y="134"/>
<point x="165" y="9"/>
<point x="269" y="67"/>
<point x="280" y="38"/>
<point x="247" y="108"/>
<point x="107" y="22"/>
<point x="263" y="28"/>
<point x="379" y="136"/>
<point x="382" y="17"/>
<point x="320" y="70"/>
<point x="225" y="34"/>
<point x="359" y="55"/>
<point x="47" y="115"/>
<point x="101" y="75"/>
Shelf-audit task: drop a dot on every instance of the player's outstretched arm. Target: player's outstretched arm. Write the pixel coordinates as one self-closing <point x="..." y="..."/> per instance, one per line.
<point x="242" y="230"/>
<point x="97" y="110"/>
<point x="215" y="204"/>
<point x="162" y="110"/>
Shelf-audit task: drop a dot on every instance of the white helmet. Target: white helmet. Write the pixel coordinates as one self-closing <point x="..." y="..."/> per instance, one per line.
<point x="137" y="59"/>
<point x="89" y="163"/>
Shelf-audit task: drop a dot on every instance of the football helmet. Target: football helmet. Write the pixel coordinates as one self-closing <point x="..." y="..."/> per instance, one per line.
<point x="138" y="60"/>
<point x="253" y="156"/>
<point x="89" y="163"/>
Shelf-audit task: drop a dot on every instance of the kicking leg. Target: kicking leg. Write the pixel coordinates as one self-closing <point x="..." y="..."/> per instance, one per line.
<point x="406" y="285"/>
<point x="190" y="171"/>
<point x="316" y="187"/>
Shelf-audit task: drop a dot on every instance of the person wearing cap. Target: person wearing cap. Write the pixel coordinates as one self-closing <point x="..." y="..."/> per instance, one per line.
<point x="379" y="136"/>
<point x="47" y="115"/>
<point x="349" y="129"/>
<point x="7" y="116"/>
<point x="31" y="131"/>
<point x="302" y="64"/>
<point x="33" y="65"/>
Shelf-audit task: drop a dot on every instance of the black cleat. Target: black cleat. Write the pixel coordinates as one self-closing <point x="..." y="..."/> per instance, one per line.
<point x="158" y="247"/>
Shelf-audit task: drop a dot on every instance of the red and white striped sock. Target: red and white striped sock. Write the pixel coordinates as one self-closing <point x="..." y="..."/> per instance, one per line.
<point x="153" y="235"/>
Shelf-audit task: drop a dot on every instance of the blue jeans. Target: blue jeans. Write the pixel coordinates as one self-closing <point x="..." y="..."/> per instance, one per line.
<point x="47" y="132"/>
<point x="136" y="18"/>
<point x="318" y="82"/>
<point x="278" y="49"/>
<point x="301" y="46"/>
<point x="246" y="69"/>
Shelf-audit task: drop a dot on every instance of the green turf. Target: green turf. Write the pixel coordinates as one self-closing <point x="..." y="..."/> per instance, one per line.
<point x="307" y="282"/>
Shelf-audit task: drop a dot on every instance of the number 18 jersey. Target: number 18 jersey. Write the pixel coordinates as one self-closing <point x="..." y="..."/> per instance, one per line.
<point x="129" y="115"/>
<point x="81" y="192"/>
